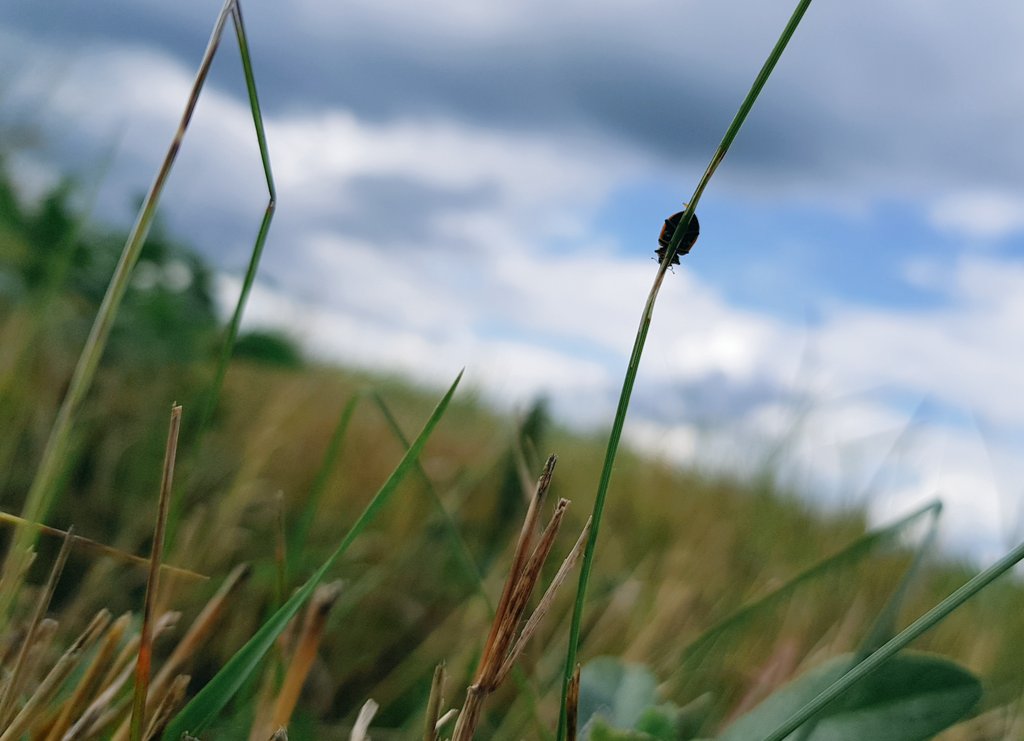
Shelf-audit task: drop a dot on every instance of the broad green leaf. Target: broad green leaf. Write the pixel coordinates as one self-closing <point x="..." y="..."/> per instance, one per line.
<point x="615" y="690"/>
<point x="910" y="698"/>
<point x="212" y="699"/>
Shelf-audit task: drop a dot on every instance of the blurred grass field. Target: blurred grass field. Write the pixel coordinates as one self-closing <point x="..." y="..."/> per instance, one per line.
<point x="681" y="549"/>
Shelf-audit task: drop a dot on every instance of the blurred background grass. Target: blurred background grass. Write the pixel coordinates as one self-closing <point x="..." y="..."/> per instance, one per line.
<point x="681" y="549"/>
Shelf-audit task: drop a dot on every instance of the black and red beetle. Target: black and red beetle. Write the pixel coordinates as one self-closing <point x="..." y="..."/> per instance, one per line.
<point x="665" y="238"/>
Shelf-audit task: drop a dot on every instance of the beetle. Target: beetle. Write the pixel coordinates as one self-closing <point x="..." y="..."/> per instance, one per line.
<point x="665" y="238"/>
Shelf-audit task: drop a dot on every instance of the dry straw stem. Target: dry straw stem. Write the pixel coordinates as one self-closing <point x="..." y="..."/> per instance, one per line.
<point x="37" y="704"/>
<point x="145" y="656"/>
<point x="173" y="699"/>
<point x="503" y="646"/>
<point x="200" y="630"/>
<point x="363" y="720"/>
<point x="13" y="686"/>
<point x="572" y="705"/>
<point x="90" y="681"/>
<point x="306" y="648"/>
<point x="434" y="704"/>
<point x="108" y="706"/>
<point x="100" y="548"/>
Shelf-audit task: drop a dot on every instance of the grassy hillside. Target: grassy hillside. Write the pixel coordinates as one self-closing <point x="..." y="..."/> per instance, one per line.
<point x="296" y="450"/>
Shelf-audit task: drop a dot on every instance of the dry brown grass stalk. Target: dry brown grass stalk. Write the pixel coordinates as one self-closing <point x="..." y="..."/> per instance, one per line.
<point x="434" y="704"/>
<point x="13" y="686"/>
<point x="169" y="704"/>
<point x="109" y="705"/>
<point x="89" y="682"/>
<point x="101" y="549"/>
<point x="572" y="705"/>
<point x="305" y="653"/>
<point x="144" y="660"/>
<point x="505" y="641"/>
<point x="36" y="705"/>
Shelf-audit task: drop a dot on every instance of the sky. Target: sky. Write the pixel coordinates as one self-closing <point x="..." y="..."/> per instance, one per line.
<point x="481" y="185"/>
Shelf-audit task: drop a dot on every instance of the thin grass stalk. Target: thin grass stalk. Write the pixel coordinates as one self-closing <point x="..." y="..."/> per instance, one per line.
<point x="883" y="627"/>
<point x="434" y="704"/>
<point x="469" y="565"/>
<point x="209" y="702"/>
<point x="201" y="627"/>
<point x="323" y="474"/>
<point x="235" y="8"/>
<point x="13" y="686"/>
<point x="306" y="648"/>
<point x="43" y="490"/>
<point x="907" y="636"/>
<point x="169" y="704"/>
<point x="110" y="704"/>
<point x="572" y="705"/>
<point x="859" y="547"/>
<point x="88" y="683"/>
<point x="641" y="338"/>
<point x="145" y="657"/>
<point x="66" y="664"/>
<point x="461" y="549"/>
<point x="99" y="548"/>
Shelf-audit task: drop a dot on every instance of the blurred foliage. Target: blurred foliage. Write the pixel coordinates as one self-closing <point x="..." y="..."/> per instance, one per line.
<point x="269" y="347"/>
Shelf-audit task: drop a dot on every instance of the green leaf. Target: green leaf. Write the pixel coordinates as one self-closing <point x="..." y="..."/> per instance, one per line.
<point x="599" y="730"/>
<point x="212" y="699"/>
<point x="618" y="691"/>
<point x="910" y="698"/>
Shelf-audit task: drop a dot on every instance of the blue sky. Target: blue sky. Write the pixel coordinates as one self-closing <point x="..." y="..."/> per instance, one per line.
<point x="483" y="185"/>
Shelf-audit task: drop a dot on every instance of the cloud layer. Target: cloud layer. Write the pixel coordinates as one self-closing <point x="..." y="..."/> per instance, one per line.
<point x="468" y="186"/>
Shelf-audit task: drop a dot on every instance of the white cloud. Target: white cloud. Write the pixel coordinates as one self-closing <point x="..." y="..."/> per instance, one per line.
<point x="978" y="215"/>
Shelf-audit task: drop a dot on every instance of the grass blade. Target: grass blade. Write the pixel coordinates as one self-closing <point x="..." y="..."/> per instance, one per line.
<point x="915" y="630"/>
<point x="208" y="703"/>
<point x="145" y="657"/>
<point x="638" y="347"/>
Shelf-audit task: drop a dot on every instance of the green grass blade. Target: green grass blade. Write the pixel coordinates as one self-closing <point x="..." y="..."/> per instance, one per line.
<point x="638" y="346"/>
<point x="305" y="521"/>
<point x="855" y="550"/>
<point x="915" y="696"/>
<point x="44" y="487"/>
<point x="212" y="699"/>
<point x="261" y="236"/>
<point x="914" y="631"/>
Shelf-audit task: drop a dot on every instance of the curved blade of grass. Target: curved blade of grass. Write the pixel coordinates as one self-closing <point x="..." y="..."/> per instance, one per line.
<point x="641" y="338"/>
<point x="301" y="529"/>
<point x="44" y="486"/>
<point x="914" y="631"/>
<point x="853" y="551"/>
<point x="209" y="702"/>
<point x="884" y="626"/>
<point x="268" y="216"/>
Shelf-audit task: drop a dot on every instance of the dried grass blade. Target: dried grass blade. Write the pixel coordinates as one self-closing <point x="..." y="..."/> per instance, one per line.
<point x="169" y="704"/>
<point x="97" y="547"/>
<point x="13" y="686"/>
<point x="363" y="720"/>
<point x="545" y="602"/>
<point x="434" y="704"/>
<point x="89" y="682"/>
<point x="39" y="700"/>
<point x="572" y="705"/>
<point x="145" y="656"/>
<point x="305" y="652"/>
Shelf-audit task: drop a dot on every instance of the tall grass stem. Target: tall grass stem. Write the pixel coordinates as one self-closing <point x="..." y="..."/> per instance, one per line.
<point x="641" y="338"/>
